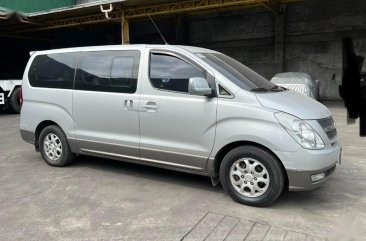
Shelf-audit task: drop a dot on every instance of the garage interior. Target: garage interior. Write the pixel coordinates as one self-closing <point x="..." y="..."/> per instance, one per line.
<point x="101" y="199"/>
<point x="269" y="36"/>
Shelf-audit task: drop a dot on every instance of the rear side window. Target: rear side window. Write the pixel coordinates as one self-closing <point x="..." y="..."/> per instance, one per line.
<point x="168" y="72"/>
<point x="53" y="71"/>
<point x="108" y="71"/>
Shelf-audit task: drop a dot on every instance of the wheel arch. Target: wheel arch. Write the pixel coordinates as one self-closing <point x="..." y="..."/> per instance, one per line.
<point x="216" y="163"/>
<point x="39" y="129"/>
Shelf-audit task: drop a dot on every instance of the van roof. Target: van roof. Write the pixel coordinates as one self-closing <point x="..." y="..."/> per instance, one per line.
<point x="131" y="46"/>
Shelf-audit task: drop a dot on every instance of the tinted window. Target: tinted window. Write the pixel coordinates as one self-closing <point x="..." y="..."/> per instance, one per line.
<point x="171" y="73"/>
<point x="235" y="71"/>
<point x="110" y="71"/>
<point x="53" y="71"/>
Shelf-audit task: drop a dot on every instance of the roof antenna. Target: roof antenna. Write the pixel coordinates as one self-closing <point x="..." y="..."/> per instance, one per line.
<point x="161" y="35"/>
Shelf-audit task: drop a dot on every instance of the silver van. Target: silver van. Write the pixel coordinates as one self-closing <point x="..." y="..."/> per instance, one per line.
<point x="178" y="107"/>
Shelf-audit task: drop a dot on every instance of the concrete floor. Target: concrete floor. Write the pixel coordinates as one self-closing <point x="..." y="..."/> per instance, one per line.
<point x="99" y="199"/>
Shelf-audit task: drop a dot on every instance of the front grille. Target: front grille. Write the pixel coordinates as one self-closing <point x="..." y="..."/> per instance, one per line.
<point x="332" y="134"/>
<point x="328" y="126"/>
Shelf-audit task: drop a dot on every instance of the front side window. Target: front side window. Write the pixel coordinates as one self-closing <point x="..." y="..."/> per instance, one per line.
<point x="108" y="71"/>
<point x="168" y="72"/>
<point x="53" y="71"/>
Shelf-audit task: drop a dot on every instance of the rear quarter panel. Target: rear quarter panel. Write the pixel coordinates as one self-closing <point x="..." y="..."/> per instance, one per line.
<point x="42" y="104"/>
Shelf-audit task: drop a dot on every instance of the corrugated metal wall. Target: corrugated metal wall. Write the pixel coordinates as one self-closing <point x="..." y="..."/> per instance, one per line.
<point x="30" y="6"/>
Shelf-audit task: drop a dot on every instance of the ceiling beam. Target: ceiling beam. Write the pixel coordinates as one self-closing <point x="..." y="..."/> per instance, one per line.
<point x="272" y="5"/>
<point x="130" y="12"/>
<point x="187" y="6"/>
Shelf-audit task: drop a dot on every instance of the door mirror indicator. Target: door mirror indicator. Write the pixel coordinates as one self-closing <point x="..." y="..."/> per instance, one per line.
<point x="199" y="86"/>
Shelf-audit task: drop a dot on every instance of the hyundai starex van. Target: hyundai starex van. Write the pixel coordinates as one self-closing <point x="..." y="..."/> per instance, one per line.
<point x="183" y="108"/>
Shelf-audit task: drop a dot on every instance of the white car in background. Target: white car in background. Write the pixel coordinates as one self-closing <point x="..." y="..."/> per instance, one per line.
<point x="10" y="95"/>
<point x="299" y="82"/>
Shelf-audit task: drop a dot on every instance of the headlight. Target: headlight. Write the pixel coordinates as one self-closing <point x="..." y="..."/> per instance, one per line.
<point x="303" y="133"/>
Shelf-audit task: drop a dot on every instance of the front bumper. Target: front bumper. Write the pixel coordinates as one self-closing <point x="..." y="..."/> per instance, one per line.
<point x="301" y="180"/>
<point x="303" y="164"/>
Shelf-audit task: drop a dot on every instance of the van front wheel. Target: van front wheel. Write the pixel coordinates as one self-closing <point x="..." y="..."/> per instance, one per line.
<point x="252" y="176"/>
<point x="54" y="147"/>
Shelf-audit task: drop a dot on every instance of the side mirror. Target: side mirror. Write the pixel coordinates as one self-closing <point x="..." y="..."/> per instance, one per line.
<point x="199" y="86"/>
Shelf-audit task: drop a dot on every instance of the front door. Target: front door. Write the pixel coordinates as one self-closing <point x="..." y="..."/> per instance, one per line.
<point x="105" y="103"/>
<point x="177" y="129"/>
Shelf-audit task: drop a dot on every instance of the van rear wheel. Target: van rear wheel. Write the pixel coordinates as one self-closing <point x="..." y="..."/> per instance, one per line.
<point x="54" y="147"/>
<point x="14" y="101"/>
<point x="251" y="175"/>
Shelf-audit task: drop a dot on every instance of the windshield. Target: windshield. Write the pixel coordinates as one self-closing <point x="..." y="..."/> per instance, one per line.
<point x="236" y="72"/>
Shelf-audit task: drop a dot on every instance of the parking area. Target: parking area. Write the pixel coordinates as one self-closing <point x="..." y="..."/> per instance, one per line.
<point x="100" y="199"/>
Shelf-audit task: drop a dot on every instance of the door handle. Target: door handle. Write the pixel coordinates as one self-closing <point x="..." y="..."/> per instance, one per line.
<point x="150" y="106"/>
<point x="128" y="105"/>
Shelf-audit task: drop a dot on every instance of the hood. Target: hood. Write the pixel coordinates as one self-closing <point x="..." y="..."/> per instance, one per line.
<point x="294" y="103"/>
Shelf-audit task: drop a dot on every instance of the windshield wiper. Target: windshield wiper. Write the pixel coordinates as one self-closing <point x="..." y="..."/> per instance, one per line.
<point x="259" y="89"/>
<point x="274" y="89"/>
<point x="277" y="88"/>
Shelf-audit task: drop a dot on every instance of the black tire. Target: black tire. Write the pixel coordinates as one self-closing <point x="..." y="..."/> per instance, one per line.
<point x="65" y="157"/>
<point x="14" y="101"/>
<point x="274" y="169"/>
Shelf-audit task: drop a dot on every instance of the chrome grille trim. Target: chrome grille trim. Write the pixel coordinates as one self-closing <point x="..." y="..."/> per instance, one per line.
<point x="328" y="126"/>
